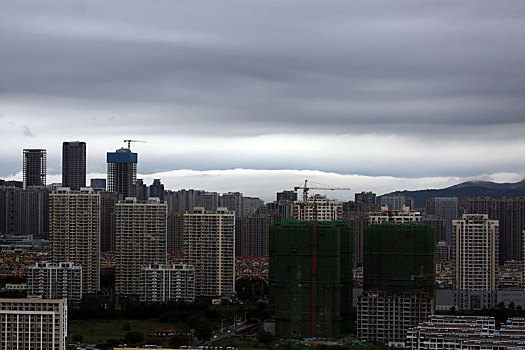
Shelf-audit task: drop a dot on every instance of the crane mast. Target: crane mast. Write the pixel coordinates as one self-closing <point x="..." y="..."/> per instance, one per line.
<point x="305" y="204"/>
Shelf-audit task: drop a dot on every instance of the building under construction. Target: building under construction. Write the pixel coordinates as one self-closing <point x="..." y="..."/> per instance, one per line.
<point x="394" y="254"/>
<point x="398" y="281"/>
<point x="311" y="278"/>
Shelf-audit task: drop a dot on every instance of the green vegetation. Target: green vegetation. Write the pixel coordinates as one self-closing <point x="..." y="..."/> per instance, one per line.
<point x="99" y="331"/>
<point x="106" y="323"/>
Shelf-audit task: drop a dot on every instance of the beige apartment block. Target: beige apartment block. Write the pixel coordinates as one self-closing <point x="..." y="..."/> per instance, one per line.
<point x="74" y="224"/>
<point x="209" y="245"/>
<point x="140" y="240"/>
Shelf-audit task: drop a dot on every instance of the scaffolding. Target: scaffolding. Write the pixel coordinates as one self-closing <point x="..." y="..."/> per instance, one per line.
<point x="392" y="254"/>
<point x="292" y="278"/>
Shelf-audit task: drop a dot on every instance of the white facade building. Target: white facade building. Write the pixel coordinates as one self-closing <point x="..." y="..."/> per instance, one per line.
<point x="55" y="280"/>
<point x="476" y="260"/>
<point x="33" y="324"/>
<point x="403" y="216"/>
<point x="318" y="207"/>
<point x="162" y="283"/>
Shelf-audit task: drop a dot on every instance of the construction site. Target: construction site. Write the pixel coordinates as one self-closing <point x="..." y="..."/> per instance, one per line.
<point x="311" y="278"/>
<point x="393" y="254"/>
<point x="399" y="281"/>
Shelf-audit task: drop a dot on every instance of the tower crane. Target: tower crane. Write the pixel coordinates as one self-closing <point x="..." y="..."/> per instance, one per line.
<point x="305" y="203"/>
<point x="421" y="276"/>
<point x="130" y="141"/>
<point x="305" y="189"/>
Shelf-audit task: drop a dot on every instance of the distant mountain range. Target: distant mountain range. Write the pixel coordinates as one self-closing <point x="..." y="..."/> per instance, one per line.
<point x="466" y="189"/>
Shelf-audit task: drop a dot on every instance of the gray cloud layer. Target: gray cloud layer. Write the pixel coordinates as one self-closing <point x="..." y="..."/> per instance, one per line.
<point x="427" y="88"/>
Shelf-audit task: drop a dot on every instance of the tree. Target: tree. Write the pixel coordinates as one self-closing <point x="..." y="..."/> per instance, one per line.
<point x="78" y="338"/>
<point x="133" y="337"/>
<point x="264" y="337"/>
<point x="203" y="329"/>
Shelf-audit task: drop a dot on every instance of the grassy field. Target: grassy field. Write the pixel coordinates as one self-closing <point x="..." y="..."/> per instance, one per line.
<point x="98" y="331"/>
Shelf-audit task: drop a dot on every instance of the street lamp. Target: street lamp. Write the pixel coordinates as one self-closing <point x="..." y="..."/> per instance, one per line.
<point x="222" y="325"/>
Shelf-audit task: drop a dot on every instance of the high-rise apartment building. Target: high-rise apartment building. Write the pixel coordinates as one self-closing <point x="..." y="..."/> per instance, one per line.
<point x="395" y="202"/>
<point x="34" y="167"/>
<point x="447" y="209"/>
<point x="33" y="324"/>
<point x="175" y="232"/>
<point x="320" y="207"/>
<point x="476" y="260"/>
<point x="74" y="164"/>
<point x="250" y="205"/>
<point x="157" y="190"/>
<point x="108" y="200"/>
<point x="365" y="197"/>
<point x="99" y="184"/>
<point x="24" y="211"/>
<point x="251" y="234"/>
<point x="55" y="280"/>
<point x="75" y="232"/>
<point x="122" y="172"/>
<point x="290" y="196"/>
<point x="163" y="283"/>
<point x="232" y="201"/>
<point x="510" y="212"/>
<point x="209" y="245"/>
<point x="140" y="240"/>
<point x="141" y="191"/>
<point x="185" y="200"/>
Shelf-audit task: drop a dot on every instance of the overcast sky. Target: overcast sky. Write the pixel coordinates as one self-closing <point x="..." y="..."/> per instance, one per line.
<point x="378" y="95"/>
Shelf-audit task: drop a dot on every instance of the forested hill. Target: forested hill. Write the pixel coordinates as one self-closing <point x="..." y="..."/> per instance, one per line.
<point x="470" y="188"/>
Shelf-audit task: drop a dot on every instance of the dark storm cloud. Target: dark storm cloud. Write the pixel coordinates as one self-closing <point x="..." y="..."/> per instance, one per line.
<point x="447" y="70"/>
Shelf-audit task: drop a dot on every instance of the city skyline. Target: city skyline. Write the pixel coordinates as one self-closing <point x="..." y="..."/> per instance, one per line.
<point x="344" y="88"/>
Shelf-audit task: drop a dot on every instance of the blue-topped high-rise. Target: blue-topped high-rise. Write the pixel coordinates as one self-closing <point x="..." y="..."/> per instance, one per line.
<point x="122" y="172"/>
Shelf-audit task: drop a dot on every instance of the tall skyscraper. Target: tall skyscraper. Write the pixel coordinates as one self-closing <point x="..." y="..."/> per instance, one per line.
<point x="140" y="240"/>
<point x="122" y="172"/>
<point x="209" y="245"/>
<point x="35" y="167"/>
<point x="75" y="232"/>
<point x="74" y="164"/>
<point x="476" y="260"/>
